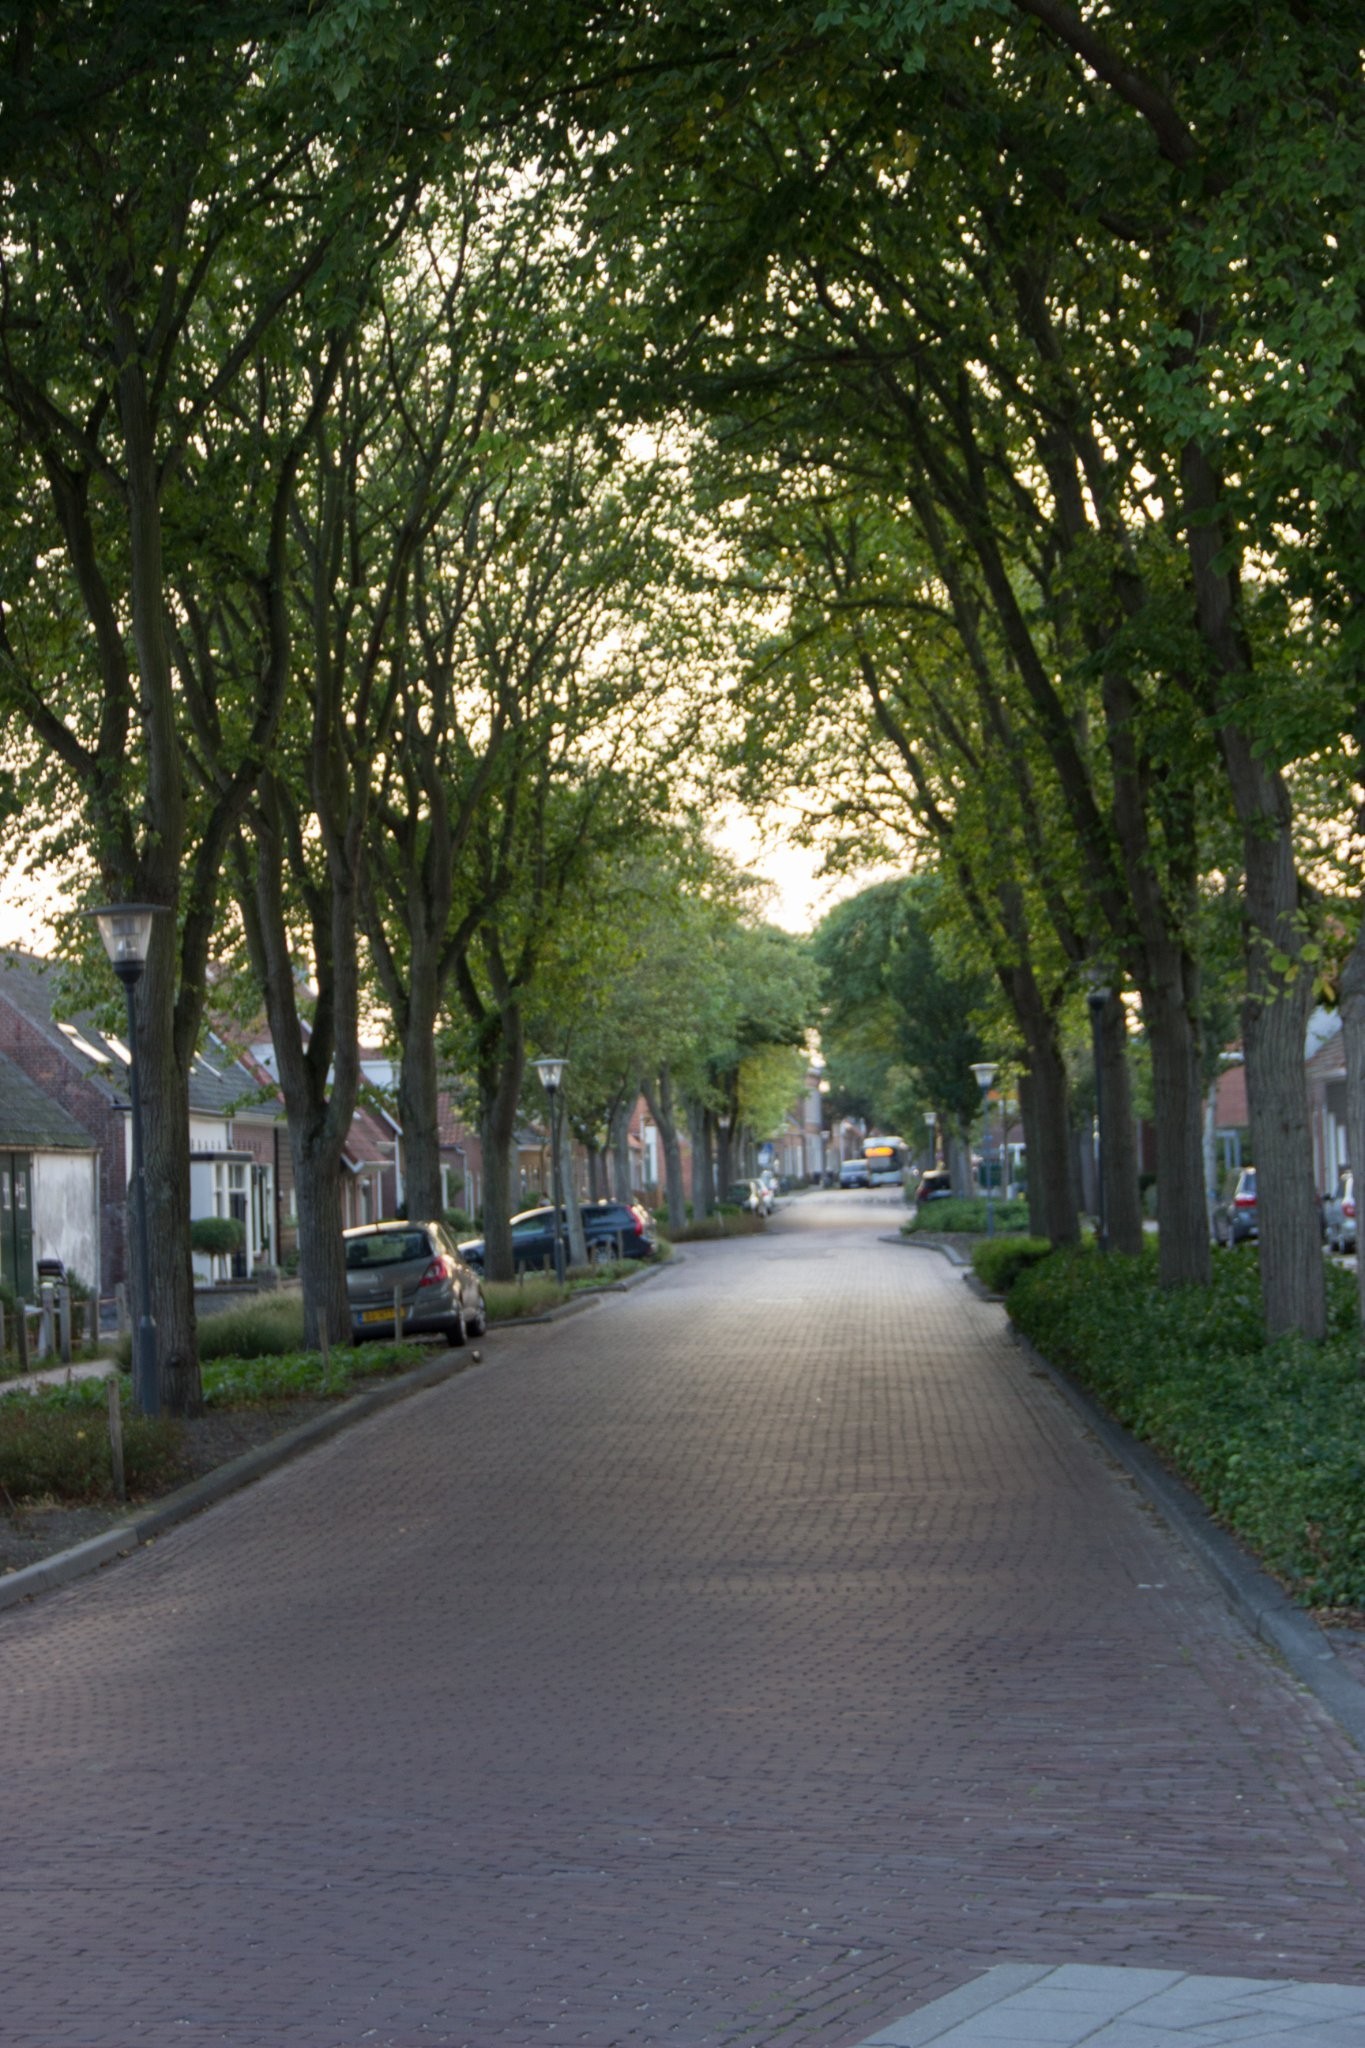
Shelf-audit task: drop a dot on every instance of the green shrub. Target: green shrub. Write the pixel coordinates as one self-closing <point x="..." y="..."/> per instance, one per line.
<point x="968" y="1213"/>
<point x="1270" y="1435"/>
<point x="461" y="1224"/>
<point x="217" y="1235"/>
<point x="61" y="1453"/>
<point x="268" y="1327"/>
<point x="998" y="1261"/>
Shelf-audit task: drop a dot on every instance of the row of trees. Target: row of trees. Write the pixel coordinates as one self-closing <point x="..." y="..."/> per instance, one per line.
<point x="1029" y="348"/>
<point x="328" y="624"/>
<point x="1002" y="376"/>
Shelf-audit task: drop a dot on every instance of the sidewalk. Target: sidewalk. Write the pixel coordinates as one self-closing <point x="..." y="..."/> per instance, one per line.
<point x="1079" y="2006"/>
<point x="60" y="1376"/>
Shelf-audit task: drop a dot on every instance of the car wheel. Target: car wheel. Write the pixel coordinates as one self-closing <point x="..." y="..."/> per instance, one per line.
<point x="477" y="1324"/>
<point x="456" y="1328"/>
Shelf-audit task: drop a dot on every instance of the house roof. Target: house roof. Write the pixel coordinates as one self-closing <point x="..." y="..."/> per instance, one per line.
<point x="218" y="1084"/>
<point x="32" y="1121"/>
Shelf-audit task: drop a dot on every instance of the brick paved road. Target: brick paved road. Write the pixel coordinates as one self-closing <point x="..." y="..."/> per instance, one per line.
<point x="743" y="1662"/>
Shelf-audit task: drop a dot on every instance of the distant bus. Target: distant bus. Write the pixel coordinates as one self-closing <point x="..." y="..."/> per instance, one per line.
<point x="887" y="1160"/>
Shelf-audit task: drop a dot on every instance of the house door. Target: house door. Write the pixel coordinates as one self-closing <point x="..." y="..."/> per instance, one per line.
<point x="16" y="1222"/>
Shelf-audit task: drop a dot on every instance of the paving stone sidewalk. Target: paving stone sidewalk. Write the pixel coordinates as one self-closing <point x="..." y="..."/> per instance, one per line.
<point x="751" y="1662"/>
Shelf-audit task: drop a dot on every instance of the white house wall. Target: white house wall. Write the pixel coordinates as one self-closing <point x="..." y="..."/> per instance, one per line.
<point x="66" y="1212"/>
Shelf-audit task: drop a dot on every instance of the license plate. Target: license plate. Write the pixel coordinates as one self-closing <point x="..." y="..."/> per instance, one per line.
<point x="376" y="1315"/>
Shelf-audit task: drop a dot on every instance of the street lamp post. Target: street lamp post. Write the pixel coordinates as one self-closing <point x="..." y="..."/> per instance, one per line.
<point x="126" y="929"/>
<point x="1096" y="999"/>
<point x="551" y="1072"/>
<point x="984" y="1072"/>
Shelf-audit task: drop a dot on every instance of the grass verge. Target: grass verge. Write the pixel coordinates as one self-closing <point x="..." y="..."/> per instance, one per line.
<point x="535" y="1294"/>
<point x="1271" y="1436"/>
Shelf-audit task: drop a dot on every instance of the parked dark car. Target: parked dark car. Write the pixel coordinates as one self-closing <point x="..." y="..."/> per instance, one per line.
<point x="1234" y="1221"/>
<point x="606" y="1225"/>
<point x="1339" y="1214"/>
<point x="935" y="1185"/>
<point x="854" y="1174"/>
<point x="440" y="1291"/>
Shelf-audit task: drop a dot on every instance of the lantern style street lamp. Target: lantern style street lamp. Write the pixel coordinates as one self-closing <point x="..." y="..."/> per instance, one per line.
<point x="984" y="1072"/>
<point x="551" y="1072"/>
<point x="126" y="929"/>
<point x="1096" y="999"/>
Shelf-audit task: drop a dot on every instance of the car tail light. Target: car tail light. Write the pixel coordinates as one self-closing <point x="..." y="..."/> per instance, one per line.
<point x="1348" y="1207"/>
<point x="1244" y="1201"/>
<point x="439" y="1270"/>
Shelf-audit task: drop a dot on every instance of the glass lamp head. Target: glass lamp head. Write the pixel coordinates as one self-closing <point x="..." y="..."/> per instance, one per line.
<point x="126" y="929"/>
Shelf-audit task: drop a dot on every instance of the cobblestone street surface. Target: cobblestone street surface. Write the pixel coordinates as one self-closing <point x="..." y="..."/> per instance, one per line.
<point x="752" y="1659"/>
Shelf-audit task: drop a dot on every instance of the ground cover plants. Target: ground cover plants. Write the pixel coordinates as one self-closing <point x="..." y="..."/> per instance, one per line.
<point x="535" y="1294"/>
<point x="1271" y="1436"/>
<point x="967" y="1213"/>
<point x="998" y="1261"/>
<point x="54" y="1442"/>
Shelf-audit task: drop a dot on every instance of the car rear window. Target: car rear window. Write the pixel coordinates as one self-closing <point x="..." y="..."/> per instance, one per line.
<point x="392" y="1248"/>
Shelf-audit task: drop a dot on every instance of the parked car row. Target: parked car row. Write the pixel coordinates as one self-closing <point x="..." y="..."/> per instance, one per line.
<point x="1235" y="1220"/>
<point x="612" y="1229"/>
<point x="757" y="1196"/>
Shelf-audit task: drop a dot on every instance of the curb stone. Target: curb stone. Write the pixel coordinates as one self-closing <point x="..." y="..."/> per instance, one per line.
<point x="126" y="1536"/>
<point x="1255" y="1598"/>
<point x="588" y="1297"/>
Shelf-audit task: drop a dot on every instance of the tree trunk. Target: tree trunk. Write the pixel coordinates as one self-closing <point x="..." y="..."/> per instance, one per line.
<point x="703" y="1180"/>
<point x="1051" y="1180"/>
<point x="1278" y="979"/>
<point x="418" y="1088"/>
<point x="575" y="1238"/>
<point x="659" y="1096"/>
<point x="1274" y="1021"/>
<point x="1033" y="1180"/>
<point x="1352" y="1000"/>
<point x="1118" y="1134"/>
<point x="1169" y="1009"/>
<point x="316" y="1152"/>
<point x="724" y="1160"/>
<point x="164" y="1092"/>
<point x="959" y="1148"/>
<point x="620" y="1149"/>
<point x="499" y="1095"/>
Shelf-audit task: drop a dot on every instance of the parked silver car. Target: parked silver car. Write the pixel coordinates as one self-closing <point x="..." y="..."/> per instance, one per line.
<point x="437" y="1289"/>
<point x="1339" y="1214"/>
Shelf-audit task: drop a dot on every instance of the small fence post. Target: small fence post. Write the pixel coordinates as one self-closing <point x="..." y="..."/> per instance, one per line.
<point x="46" y="1330"/>
<point x="116" y="1439"/>
<point x="21" y="1335"/>
<point x="64" y="1323"/>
